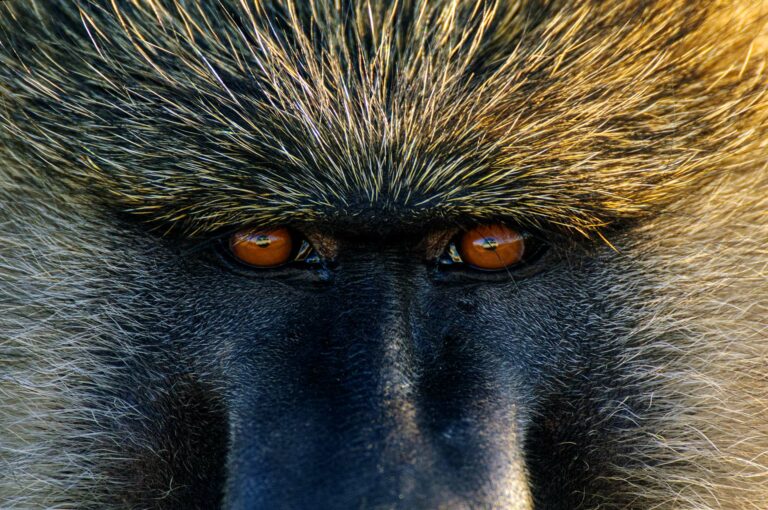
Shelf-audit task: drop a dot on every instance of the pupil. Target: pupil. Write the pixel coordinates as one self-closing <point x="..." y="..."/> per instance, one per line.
<point x="490" y="244"/>
<point x="262" y="241"/>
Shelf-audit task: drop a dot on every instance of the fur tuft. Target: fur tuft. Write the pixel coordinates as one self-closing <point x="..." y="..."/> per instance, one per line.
<point x="605" y="109"/>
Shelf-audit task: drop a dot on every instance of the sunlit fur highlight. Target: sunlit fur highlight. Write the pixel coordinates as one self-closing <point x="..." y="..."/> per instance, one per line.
<point x="576" y="115"/>
<point x="568" y="113"/>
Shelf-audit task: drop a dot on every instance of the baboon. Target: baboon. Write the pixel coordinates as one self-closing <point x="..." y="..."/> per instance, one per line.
<point x="340" y="254"/>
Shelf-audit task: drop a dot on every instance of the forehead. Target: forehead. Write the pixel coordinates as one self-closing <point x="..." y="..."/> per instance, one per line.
<point x="212" y="114"/>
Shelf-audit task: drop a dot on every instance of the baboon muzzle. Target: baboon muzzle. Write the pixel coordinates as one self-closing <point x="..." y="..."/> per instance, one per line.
<point x="377" y="406"/>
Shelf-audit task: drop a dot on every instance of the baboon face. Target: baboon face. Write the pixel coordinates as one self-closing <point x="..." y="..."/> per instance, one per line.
<point x="386" y="376"/>
<point x="450" y="254"/>
<point x="388" y="379"/>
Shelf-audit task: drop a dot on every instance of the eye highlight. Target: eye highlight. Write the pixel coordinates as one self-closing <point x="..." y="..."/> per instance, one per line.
<point x="263" y="248"/>
<point x="491" y="247"/>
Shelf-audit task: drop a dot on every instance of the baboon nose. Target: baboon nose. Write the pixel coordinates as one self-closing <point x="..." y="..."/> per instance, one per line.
<point x="378" y="408"/>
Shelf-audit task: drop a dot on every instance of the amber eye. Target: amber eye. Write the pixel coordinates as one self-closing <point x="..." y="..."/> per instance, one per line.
<point x="491" y="247"/>
<point x="262" y="247"/>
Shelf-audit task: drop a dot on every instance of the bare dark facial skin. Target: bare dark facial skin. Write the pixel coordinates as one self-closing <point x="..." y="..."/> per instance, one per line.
<point x="382" y="378"/>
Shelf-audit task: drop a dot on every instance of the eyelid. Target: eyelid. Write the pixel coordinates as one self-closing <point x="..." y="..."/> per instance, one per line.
<point x="204" y="244"/>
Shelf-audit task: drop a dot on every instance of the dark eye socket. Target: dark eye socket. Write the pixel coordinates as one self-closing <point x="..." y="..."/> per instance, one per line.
<point x="268" y="248"/>
<point x="491" y="248"/>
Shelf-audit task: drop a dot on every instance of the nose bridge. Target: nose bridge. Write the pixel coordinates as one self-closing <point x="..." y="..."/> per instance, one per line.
<point x="378" y="306"/>
<point x="366" y="400"/>
<point x="411" y="438"/>
<point x="376" y="333"/>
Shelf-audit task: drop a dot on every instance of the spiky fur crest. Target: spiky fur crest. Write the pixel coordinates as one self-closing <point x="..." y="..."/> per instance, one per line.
<point x="568" y="113"/>
<point x="604" y="108"/>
